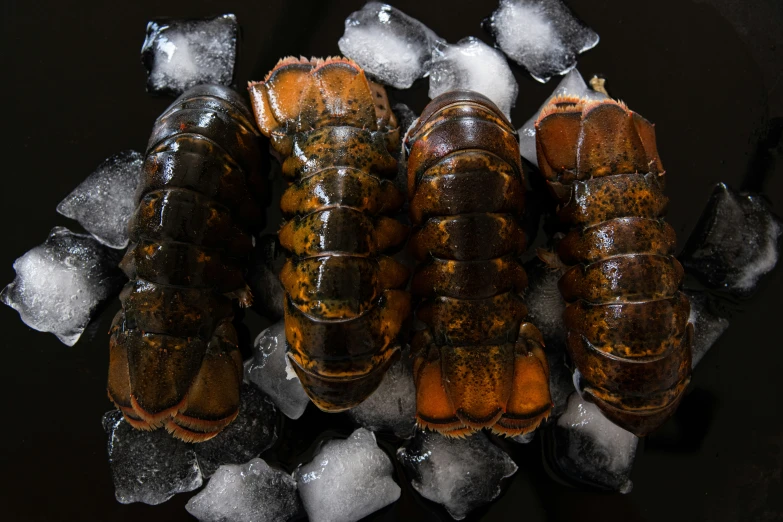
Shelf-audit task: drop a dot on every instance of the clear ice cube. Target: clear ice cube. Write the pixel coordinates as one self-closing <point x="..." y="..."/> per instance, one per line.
<point x="148" y="466"/>
<point x="572" y="84"/>
<point x="590" y="449"/>
<point x="389" y="45"/>
<point x="735" y="242"/>
<point x="392" y="407"/>
<point x="707" y="326"/>
<point x="347" y="480"/>
<point x="246" y="492"/>
<point x="459" y="473"/>
<point x="543" y="36"/>
<point x="271" y="371"/>
<point x="104" y="202"/>
<point x="179" y="54"/>
<point x="252" y="432"/>
<point x="60" y="284"/>
<point x="472" y="65"/>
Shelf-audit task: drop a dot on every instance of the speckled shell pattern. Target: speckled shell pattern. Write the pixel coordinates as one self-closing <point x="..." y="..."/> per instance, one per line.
<point x="477" y="364"/>
<point x="345" y="302"/>
<point x="174" y="357"/>
<point x="628" y="331"/>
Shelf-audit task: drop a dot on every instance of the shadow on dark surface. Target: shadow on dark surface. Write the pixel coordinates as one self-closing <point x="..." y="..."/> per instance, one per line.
<point x="707" y="76"/>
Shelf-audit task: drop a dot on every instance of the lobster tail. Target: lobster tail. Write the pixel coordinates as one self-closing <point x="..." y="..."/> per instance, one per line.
<point x="334" y="133"/>
<point x="174" y="357"/>
<point x="626" y="318"/>
<point x="478" y="364"/>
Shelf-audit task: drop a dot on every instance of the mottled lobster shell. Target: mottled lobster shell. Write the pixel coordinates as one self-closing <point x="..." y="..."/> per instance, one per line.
<point x="335" y="136"/>
<point x="174" y="360"/>
<point x="477" y="363"/>
<point x="627" y="321"/>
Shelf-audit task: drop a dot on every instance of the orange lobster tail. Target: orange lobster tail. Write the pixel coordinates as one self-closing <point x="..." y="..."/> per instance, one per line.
<point x="627" y="321"/>
<point x="334" y="133"/>
<point x="477" y="363"/>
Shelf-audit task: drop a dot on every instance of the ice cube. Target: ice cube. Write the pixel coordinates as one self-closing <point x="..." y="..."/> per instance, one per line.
<point x="527" y="438"/>
<point x="179" y="54"/>
<point x="572" y="84"/>
<point x="734" y="243"/>
<point x="248" y="492"/>
<point x="104" y="202"/>
<point x="347" y="480"/>
<point x="148" y="466"/>
<point x="252" y="432"/>
<point x="707" y="326"/>
<point x="271" y="371"/>
<point x="472" y="65"/>
<point x="461" y="474"/>
<point x="392" y="406"/>
<point x="60" y="284"/>
<point x="389" y="45"/>
<point x="543" y="36"/>
<point x="589" y="449"/>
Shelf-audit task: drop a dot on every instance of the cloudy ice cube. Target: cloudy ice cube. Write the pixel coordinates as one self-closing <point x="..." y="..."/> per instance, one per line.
<point x="527" y="438"/>
<point x="590" y="449"/>
<point x="265" y="263"/>
<point x="148" y="466"/>
<point x="252" y="432"/>
<point x="460" y="473"/>
<point x="543" y="36"/>
<point x="271" y="371"/>
<point x="392" y="407"/>
<point x="347" y="480"/>
<point x="734" y="243"/>
<point x="105" y="201"/>
<point x="707" y="326"/>
<point x="472" y="65"/>
<point x="60" y="284"/>
<point x="389" y="45"/>
<point x="572" y="84"/>
<point x="247" y="492"/>
<point x="179" y="54"/>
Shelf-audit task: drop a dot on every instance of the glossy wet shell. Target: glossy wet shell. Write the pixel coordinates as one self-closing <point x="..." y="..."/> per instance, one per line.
<point x="174" y="360"/>
<point x="477" y="363"/>
<point x="334" y="134"/>
<point x="628" y="331"/>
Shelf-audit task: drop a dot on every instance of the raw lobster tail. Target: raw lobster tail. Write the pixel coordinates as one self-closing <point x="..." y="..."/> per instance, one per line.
<point x="628" y="331"/>
<point x="344" y="306"/>
<point x="174" y="359"/>
<point x="477" y="364"/>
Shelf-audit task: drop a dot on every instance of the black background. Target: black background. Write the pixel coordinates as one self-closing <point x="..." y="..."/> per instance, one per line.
<point x="708" y="73"/>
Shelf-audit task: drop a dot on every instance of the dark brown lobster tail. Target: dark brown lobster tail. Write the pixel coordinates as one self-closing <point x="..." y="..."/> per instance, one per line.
<point x="477" y="363"/>
<point x="334" y="133"/>
<point x="174" y="359"/>
<point x="627" y="321"/>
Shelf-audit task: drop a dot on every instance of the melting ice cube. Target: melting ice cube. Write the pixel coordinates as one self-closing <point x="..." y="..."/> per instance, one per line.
<point x="472" y="65"/>
<point x="543" y="36"/>
<point x="590" y="449"/>
<point x="461" y="474"/>
<point x="571" y="85"/>
<point x="393" y="405"/>
<point x="347" y="480"/>
<point x="148" y="466"/>
<point x="389" y="45"/>
<point x="60" y="284"/>
<point x="270" y="370"/>
<point x="105" y="201"/>
<point x="179" y="54"/>
<point x="252" y="432"/>
<point x="734" y="243"/>
<point x="248" y="492"/>
<point x="707" y="326"/>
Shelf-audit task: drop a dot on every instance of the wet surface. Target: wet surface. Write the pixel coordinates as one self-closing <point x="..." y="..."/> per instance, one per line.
<point x="707" y="73"/>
